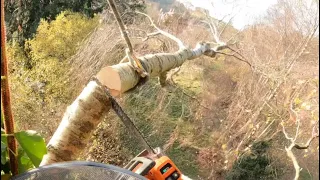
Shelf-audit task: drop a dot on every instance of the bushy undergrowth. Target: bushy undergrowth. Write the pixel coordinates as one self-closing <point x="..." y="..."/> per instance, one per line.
<point x="38" y="73"/>
<point x="253" y="165"/>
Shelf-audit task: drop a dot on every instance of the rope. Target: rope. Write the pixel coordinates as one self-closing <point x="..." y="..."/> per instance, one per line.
<point x="135" y="62"/>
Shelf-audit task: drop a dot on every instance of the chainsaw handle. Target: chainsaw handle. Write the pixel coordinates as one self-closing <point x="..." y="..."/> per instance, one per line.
<point x="147" y="165"/>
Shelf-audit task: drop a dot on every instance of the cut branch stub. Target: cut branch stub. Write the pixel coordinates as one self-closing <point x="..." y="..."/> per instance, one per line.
<point x="118" y="78"/>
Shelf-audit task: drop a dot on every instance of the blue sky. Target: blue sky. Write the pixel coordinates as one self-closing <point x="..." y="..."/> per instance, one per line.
<point x="247" y="10"/>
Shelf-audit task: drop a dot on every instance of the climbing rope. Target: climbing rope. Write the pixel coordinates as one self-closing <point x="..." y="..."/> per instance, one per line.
<point x="135" y="62"/>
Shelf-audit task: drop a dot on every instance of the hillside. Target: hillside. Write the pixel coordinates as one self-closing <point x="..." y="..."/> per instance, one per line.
<point x="219" y="119"/>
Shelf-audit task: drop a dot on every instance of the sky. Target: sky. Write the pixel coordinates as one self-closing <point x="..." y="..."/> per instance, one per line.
<point x="247" y="10"/>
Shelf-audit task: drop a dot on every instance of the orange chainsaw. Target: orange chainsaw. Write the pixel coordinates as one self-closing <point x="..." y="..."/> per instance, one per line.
<point x="154" y="166"/>
<point x="150" y="163"/>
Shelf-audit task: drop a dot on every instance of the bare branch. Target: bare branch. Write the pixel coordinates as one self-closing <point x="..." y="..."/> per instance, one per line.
<point x="151" y="35"/>
<point x="295" y="145"/>
<point x="285" y="133"/>
<point x="233" y="55"/>
<point x="226" y="24"/>
<point x="177" y="40"/>
<point x="297" y="121"/>
<point x="213" y="30"/>
<point x="235" y="35"/>
<point x="294" y="161"/>
<point x="237" y="52"/>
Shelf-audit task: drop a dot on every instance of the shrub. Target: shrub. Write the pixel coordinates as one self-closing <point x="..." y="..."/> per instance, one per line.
<point x="51" y="47"/>
<point x="255" y="165"/>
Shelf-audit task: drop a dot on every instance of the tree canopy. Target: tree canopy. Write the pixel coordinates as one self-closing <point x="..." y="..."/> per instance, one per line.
<point x="23" y="17"/>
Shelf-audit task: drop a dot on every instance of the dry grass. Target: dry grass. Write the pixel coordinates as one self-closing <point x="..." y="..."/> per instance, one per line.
<point x="200" y="123"/>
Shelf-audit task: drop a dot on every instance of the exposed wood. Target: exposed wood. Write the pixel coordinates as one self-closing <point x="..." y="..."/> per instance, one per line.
<point x="83" y="116"/>
<point x="120" y="78"/>
<point x="85" y="113"/>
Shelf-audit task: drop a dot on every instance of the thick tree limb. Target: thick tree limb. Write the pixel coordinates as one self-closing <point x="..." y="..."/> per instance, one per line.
<point x="85" y="113"/>
<point x="120" y="78"/>
<point x="80" y="120"/>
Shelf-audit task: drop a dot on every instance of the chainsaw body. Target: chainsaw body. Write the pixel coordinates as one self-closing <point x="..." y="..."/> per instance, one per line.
<point x="154" y="166"/>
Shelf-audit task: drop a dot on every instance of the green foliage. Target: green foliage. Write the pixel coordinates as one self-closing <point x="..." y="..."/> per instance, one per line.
<point x="33" y="145"/>
<point x="165" y="4"/>
<point x="58" y="39"/>
<point x="39" y="78"/>
<point x="4" y="157"/>
<point x="252" y="166"/>
<point x="54" y="43"/>
<point x="31" y="150"/>
<point x="27" y="15"/>
<point x="305" y="175"/>
<point x="24" y="162"/>
<point x="23" y="19"/>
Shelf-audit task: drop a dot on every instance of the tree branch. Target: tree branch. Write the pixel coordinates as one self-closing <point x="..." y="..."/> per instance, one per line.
<point x="178" y="41"/>
<point x="219" y="52"/>
<point x="293" y="144"/>
<point x="313" y="136"/>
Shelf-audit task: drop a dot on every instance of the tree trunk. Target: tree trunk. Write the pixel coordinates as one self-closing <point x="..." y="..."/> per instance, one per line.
<point x="85" y="113"/>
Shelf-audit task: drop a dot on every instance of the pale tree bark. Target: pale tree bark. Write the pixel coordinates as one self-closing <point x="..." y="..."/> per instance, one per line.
<point x="86" y="112"/>
<point x="77" y="125"/>
<point x="293" y="143"/>
<point x="120" y="78"/>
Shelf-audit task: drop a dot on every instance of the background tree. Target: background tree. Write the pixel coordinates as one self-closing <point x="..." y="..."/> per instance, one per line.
<point x="23" y="17"/>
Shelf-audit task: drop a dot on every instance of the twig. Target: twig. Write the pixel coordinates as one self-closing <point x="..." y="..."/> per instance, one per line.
<point x="6" y="100"/>
<point x="177" y="40"/>
<point x="227" y="24"/>
<point x="213" y="31"/>
<point x="219" y="52"/>
<point x="239" y="31"/>
<point x="213" y="28"/>
<point x="237" y="52"/>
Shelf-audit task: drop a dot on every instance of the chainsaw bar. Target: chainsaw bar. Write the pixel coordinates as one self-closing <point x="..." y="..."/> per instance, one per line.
<point x="125" y="119"/>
